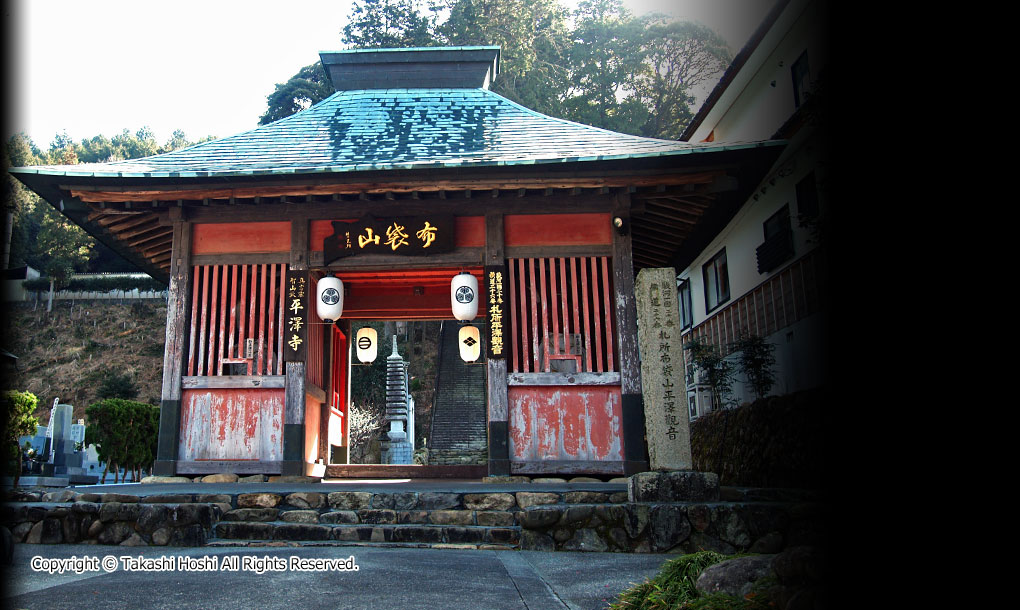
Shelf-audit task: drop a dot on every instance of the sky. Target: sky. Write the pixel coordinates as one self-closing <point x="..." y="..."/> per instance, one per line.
<point x="202" y="66"/>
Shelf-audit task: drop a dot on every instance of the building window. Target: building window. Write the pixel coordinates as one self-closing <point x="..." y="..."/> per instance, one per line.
<point x="801" y="79"/>
<point x="684" y="300"/>
<point x="717" y="282"/>
<point x="778" y="246"/>
<point x="807" y="198"/>
<point x="778" y="224"/>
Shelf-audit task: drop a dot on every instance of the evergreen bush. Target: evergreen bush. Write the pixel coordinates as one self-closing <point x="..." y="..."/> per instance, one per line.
<point x="18" y="421"/>
<point x="117" y="384"/>
<point x="124" y="433"/>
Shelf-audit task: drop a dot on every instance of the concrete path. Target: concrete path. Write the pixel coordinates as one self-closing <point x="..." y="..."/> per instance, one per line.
<point x="407" y="579"/>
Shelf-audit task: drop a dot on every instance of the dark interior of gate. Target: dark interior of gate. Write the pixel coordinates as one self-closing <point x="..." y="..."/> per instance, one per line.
<point x="554" y="328"/>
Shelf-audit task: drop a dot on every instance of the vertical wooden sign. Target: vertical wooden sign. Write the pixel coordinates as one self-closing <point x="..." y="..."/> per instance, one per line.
<point x="295" y="331"/>
<point x="667" y="422"/>
<point x="495" y="284"/>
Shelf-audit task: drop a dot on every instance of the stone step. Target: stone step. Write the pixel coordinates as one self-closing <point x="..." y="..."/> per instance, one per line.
<point x="344" y="543"/>
<point x="527" y="517"/>
<point x="373" y="516"/>
<point x="375" y="533"/>
<point x="459" y="411"/>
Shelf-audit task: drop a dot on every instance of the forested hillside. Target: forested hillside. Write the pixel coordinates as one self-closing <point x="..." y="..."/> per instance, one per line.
<point x="85" y="349"/>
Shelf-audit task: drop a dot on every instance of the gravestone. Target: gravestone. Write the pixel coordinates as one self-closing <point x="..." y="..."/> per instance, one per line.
<point x="60" y="434"/>
<point x="65" y="461"/>
<point x="667" y="421"/>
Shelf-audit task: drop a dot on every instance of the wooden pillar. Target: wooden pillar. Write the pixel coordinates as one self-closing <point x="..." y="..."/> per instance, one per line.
<point x="635" y="449"/>
<point x="177" y="325"/>
<point x="294" y="394"/>
<point x="497" y="414"/>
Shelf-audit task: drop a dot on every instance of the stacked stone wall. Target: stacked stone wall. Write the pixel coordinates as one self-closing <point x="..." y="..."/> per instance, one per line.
<point x="581" y="520"/>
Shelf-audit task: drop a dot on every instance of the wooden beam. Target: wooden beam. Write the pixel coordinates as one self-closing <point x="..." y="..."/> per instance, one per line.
<point x="161" y="247"/>
<point x="635" y="450"/>
<point x="148" y="237"/>
<point x="330" y="211"/>
<point x="497" y="402"/>
<point x="123" y="221"/>
<point x="299" y="244"/>
<point x="460" y="256"/>
<point x="556" y="251"/>
<point x="494" y="238"/>
<point x="233" y="381"/>
<point x="178" y="302"/>
<point x="236" y="466"/>
<point x="560" y="379"/>
<point x="566" y="467"/>
<point x="567" y="181"/>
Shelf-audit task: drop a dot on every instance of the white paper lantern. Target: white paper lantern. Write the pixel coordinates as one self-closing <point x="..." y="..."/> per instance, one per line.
<point x="464" y="296"/>
<point x="470" y="343"/>
<point x="329" y="302"/>
<point x="367" y="344"/>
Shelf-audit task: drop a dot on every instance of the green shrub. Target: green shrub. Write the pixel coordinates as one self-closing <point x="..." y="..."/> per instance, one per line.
<point x="672" y="587"/>
<point x="756" y="361"/>
<point x="714" y="368"/>
<point x="17" y="409"/>
<point x="124" y="432"/>
<point x="117" y="384"/>
<point x="724" y="601"/>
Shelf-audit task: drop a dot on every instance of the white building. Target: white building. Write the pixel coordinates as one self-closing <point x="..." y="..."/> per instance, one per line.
<point x="764" y="272"/>
<point x="14" y="288"/>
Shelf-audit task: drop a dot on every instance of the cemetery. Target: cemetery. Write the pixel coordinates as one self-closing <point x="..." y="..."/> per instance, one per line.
<point x="60" y="458"/>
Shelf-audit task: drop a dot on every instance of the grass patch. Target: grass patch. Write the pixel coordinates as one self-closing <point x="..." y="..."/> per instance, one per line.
<point x="673" y="588"/>
<point x="723" y="601"/>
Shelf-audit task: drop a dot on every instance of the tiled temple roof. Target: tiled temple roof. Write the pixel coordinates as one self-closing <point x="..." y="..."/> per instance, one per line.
<point x="384" y="129"/>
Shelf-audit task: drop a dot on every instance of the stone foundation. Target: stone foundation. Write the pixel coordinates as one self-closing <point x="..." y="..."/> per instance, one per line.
<point x="750" y="520"/>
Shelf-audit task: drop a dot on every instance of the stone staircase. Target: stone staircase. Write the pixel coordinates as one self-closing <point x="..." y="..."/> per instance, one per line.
<point x="415" y="519"/>
<point x="458" y="434"/>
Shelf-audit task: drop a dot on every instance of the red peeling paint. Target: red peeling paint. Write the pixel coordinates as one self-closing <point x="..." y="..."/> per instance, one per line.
<point x="231" y="424"/>
<point x="567" y="423"/>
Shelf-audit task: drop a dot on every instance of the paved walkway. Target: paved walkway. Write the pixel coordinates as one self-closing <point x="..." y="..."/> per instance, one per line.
<point x="429" y="579"/>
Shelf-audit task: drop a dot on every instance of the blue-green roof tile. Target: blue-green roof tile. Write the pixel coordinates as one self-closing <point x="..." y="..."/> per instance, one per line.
<point x="394" y="129"/>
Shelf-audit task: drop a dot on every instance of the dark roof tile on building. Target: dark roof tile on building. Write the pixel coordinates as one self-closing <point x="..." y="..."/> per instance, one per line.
<point x="389" y="129"/>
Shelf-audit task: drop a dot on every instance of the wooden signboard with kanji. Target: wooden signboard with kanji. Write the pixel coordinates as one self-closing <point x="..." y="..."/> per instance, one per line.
<point x="404" y="235"/>
<point x="495" y="285"/>
<point x="296" y="316"/>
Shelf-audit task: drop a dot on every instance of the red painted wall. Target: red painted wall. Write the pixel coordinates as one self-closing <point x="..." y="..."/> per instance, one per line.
<point x="232" y="424"/>
<point x="581" y="423"/>
<point x="557" y="230"/>
<point x="240" y="237"/>
<point x="313" y="412"/>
